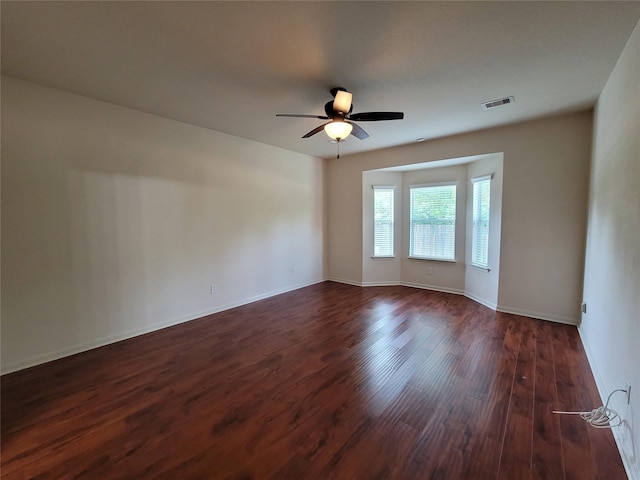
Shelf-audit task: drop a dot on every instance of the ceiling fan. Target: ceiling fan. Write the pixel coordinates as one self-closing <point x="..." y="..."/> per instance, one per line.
<point x="341" y="123"/>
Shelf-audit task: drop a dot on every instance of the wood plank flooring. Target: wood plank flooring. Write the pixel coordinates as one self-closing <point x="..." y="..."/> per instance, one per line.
<point x="327" y="382"/>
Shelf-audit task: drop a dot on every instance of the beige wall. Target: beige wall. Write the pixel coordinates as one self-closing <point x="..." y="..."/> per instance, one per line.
<point x="611" y="327"/>
<point x="545" y="168"/>
<point x="116" y="222"/>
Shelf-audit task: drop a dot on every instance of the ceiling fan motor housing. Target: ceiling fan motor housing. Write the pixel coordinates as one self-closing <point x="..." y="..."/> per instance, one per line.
<point x="333" y="114"/>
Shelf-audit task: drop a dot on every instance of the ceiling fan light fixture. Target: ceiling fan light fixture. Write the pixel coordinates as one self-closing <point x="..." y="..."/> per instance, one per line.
<point x="338" y="129"/>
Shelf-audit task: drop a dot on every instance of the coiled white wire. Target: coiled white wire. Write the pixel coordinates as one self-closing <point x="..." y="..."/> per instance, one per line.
<point x="601" y="417"/>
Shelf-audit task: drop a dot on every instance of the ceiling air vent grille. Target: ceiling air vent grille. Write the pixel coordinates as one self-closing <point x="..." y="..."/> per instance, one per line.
<point x="497" y="103"/>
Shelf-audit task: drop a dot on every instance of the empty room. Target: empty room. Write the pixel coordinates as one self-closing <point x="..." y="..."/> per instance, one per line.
<point x="320" y="240"/>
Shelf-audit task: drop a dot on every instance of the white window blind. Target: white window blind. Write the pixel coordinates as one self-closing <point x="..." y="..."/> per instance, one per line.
<point x="383" y="221"/>
<point x="433" y="222"/>
<point x="481" y="211"/>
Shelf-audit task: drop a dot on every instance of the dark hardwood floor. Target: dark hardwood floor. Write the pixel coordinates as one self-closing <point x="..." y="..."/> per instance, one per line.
<point x="329" y="381"/>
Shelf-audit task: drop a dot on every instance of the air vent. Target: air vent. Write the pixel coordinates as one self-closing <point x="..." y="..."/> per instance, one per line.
<point x="497" y="103"/>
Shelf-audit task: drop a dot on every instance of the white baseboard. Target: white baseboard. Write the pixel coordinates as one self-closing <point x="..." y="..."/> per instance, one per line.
<point x="631" y="464"/>
<point x="355" y="283"/>
<point x="435" y="288"/>
<point x="85" y="346"/>
<point x="538" y="315"/>
<point x="423" y="286"/>
<point x="482" y="301"/>
<point x="379" y="284"/>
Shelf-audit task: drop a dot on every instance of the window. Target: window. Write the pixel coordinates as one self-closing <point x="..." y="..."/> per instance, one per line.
<point x="480" y="235"/>
<point x="383" y="221"/>
<point x="433" y="222"/>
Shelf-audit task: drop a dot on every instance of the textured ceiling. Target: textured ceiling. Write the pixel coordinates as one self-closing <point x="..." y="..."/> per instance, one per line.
<point x="231" y="66"/>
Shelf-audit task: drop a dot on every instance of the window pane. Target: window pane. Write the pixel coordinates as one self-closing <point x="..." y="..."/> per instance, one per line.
<point x="383" y="222"/>
<point x="480" y="236"/>
<point x="433" y="222"/>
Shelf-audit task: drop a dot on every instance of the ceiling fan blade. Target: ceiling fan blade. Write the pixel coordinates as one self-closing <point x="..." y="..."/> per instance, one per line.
<point x="301" y="115"/>
<point x="342" y="102"/>
<point x="376" y="116"/>
<point x="358" y="131"/>
<point x="314" y="131"/>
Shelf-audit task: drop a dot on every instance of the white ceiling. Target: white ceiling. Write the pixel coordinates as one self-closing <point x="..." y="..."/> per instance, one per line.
<point x="231" y="66"/>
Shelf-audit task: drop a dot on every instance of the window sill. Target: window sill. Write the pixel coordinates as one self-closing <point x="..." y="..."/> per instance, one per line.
<point x="433" y="259"/>
<point x="375" y="257"/>
<point x="480" y="267"/>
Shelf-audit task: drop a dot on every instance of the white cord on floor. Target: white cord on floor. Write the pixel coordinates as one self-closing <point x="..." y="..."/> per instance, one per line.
<point x="601" y="417"/>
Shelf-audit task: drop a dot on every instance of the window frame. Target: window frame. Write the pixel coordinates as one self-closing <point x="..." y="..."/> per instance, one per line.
<point x="452" y="246"/>
<point x="476" y="210"/>
<point x="388" y="189"/>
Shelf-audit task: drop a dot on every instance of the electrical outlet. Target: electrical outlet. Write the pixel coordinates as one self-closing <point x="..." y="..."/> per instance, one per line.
<point x="213" y="289"/>
<point x="429" y="270"/>
<point x="628" y="393"/>
<point x="583" y="307"/>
